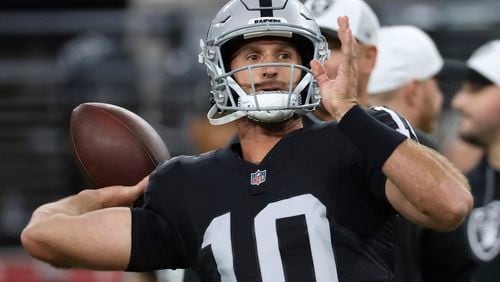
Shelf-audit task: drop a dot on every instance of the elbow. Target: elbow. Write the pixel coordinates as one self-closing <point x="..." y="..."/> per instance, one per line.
<point x="455" y="211"/>
<point x="35" y="245"/>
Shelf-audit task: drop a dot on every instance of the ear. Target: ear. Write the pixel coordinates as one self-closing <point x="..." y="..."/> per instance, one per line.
<point x="369" y="54"/>
<point x="409" y="93"/>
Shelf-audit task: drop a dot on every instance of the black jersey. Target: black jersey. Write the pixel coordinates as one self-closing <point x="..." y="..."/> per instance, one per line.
<point x="407" y="234"/>
<point x="408" y="238"/>
<point x="471" y="252"/>
<point x="313" y="210"/>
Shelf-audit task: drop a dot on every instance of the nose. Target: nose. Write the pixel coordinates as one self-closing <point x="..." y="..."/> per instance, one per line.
<point x="268" y="71"/>
<point x="458" y="100"/>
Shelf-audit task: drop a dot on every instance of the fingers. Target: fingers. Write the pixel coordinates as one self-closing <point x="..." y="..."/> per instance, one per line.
<point x="114" y="196"/>
<point x="135" y="191"/>
<point x="143" y="183"/>
<point x="349" y="49"/>
<point x="319" y="72"/>
<point x="349" y="46"/>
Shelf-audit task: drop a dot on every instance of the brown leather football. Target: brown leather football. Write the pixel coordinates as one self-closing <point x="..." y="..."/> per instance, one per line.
<point x="114" y="146"/>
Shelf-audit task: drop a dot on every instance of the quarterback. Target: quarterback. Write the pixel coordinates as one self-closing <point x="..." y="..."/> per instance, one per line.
<point x="279" y="202"/>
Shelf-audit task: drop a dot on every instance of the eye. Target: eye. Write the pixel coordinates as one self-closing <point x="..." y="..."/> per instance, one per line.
<point x="252" y="57"/>
<point x="474" y="88"/>
<point x="284" y="56"/>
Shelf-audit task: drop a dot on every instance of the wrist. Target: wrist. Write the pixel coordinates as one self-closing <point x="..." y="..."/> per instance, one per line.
<point x="343" y="109"/>
<point x="83" y="202"/>
<point x="374" y="139"/>
<point x="87" y="200"/>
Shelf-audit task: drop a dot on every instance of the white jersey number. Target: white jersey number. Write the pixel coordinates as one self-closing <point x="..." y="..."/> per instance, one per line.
<point x="218" y="236"/>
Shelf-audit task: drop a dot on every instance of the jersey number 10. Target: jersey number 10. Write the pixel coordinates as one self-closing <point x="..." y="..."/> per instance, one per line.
<point x="218" y="236"/>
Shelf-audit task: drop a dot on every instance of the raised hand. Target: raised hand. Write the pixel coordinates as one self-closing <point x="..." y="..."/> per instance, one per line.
<point x="339" y="94"/>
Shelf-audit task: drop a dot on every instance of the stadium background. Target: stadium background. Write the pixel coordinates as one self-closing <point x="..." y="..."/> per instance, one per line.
<point x="141" y="55"/>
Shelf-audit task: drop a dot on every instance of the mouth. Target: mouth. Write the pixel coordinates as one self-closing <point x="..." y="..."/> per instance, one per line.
<point x="267" y="90"/>
<point x="271" y="87"/>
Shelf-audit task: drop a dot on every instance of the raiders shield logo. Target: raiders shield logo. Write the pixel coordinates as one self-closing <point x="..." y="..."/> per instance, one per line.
<point x="318" y="7"/>
<point x="483" y="231"/>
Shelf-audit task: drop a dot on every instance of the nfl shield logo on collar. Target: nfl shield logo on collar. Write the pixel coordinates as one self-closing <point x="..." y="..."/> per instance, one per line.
<point x="258" y="177"/>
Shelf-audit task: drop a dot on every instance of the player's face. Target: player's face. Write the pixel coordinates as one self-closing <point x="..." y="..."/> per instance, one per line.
<point x="479" y="108"/>
<point x="430" y="104"/>
<point x="269" y="78"/>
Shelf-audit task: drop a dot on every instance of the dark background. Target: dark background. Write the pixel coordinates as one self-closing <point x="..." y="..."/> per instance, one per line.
<point x="141" y="55"/>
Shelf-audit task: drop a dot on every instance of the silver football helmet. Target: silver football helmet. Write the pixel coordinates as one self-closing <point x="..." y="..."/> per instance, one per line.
<point x="246" y="19"/>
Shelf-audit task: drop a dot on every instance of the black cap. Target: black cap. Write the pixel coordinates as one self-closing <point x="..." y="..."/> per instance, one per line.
<point x="451" y="77"/>
<point x="476" y="78"/>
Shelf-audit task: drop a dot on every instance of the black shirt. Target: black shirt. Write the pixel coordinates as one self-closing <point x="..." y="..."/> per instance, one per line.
<point x="316" y="210"/>
<point x="407" y="234"/>
<point x="408" y="238"/>
<point x="471" y="252"/>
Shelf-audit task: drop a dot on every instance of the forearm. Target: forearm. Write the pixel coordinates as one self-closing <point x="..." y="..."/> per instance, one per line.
<point x="39" y="238"/>
<point x="85" y="230"/>
<point x="451" y="168"/>
<point x="423" y="179"/>
<point x="90" y="200"/>
<point x="430" y="183"/>
<point x="81" y="203"/>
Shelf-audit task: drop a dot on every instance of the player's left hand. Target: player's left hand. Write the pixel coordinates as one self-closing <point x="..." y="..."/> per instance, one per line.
<point x="339" y="95"/>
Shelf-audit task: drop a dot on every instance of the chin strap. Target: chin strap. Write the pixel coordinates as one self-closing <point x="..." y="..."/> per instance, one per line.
<point x="224" y="119"/>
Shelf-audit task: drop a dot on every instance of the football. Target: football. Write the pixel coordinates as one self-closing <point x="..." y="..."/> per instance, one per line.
<point x="114" y="146"/>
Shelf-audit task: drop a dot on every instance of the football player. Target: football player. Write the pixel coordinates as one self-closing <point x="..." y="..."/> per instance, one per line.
<point x="280" y="202"/>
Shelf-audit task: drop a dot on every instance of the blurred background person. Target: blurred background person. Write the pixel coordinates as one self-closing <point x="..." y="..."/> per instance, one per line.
<point x="404" y="79"/>
<point x="471" y="253"/>
<point x="364" y="25"/>
<point x="461" y="153"/>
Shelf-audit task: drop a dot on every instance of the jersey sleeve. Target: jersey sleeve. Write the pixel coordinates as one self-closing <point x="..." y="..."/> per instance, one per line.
<point x="156" y="239"/>
<point x="394" y="120"/>
<point x="375" y="179"/>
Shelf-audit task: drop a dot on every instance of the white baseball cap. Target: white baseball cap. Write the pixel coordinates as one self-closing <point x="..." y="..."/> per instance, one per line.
<point x="404" y="53"/>
<point x="486" y="61"/>
<point x="362" y="20"/>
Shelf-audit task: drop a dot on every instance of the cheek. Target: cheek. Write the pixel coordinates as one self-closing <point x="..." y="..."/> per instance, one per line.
<point x="241" y="77"/>
<point x="438" y="101"/>
<point x="482" y="112"/>
<point x="434" y="96"/>
<point x="491" y="109"/>
<point x="297" y="76"/>
<point x="284" y="74"/>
